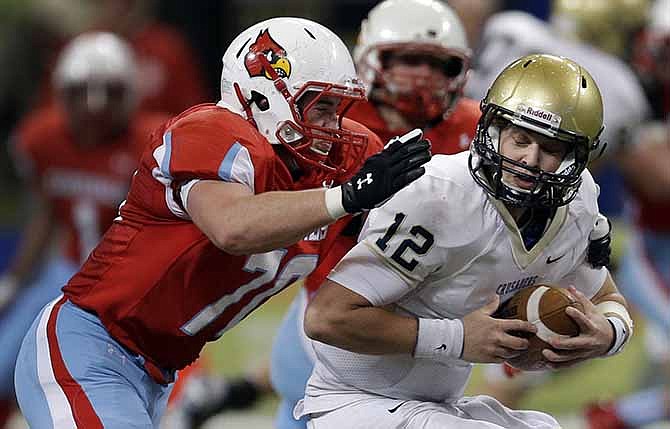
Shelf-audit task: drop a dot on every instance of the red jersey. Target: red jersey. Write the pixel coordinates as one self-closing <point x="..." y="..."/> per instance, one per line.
<point x="84" y="185"/>
<point x="157" y="283"/>
<point x="450" y="136"/>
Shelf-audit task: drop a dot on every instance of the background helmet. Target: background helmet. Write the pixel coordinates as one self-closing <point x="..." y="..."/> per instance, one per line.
<point x="96" y="82"/>
<point x="550" y="95"/>
<point x="606" y="24"/>
<point x="95" y="61"/>
<point x="271" y="65"/>
<point x="421" y="26"/>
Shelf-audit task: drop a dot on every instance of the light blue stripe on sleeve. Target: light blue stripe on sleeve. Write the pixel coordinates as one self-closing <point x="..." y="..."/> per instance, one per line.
<point x="165" y="164"/>
<point x="226" y="167"/>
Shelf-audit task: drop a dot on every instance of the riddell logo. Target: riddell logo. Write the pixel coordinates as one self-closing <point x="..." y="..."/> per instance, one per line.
<point x="540" y="114"/>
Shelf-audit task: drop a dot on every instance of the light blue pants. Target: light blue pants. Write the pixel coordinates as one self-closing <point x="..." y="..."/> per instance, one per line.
<point x="16" y="318"/>
<point x="71" y="374"/>
<point x="290" y="366"/>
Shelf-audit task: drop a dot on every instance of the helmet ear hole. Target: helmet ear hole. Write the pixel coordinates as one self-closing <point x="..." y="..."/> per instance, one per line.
<point x="260" y="100"/>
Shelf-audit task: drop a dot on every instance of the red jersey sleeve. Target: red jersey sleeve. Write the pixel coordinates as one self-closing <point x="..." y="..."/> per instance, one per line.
<point x="211" y="144"/>
<point x="205" y="143"/>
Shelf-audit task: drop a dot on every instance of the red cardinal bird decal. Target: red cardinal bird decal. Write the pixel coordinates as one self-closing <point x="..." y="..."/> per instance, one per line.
<point x="272" y="51"/>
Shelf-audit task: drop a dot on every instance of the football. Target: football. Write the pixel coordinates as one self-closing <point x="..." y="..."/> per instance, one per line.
<point x="544" y="306"/>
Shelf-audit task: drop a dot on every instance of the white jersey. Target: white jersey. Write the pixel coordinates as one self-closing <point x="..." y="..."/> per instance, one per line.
<point x="442" y="248"/>
<point x="511" y="35"/>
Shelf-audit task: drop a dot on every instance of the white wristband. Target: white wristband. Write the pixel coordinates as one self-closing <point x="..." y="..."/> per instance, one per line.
<point x="333" y="197"/>
<point x="613" y="308"/>
<point x="439" y="339"/>
<point x="621" y="321"/>
<point x="620" y="335"/>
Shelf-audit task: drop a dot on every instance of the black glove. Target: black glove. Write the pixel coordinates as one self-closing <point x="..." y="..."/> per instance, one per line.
<point x="386" y="172"/>
<point x="598" y="253"/>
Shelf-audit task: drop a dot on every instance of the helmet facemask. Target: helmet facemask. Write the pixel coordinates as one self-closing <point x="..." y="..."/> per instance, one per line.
<point x="548" y="189"/>
<point x="421" y="99"/>
<point x="322" y="146"/>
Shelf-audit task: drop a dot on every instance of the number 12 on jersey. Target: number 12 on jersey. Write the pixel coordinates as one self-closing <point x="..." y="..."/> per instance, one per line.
<point x="420" y="249"/>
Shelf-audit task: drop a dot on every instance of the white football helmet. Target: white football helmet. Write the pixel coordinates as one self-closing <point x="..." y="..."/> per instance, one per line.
<point x="95" y="61"/>
<point x="427" y="27"/>
<point x="271" y="65"/>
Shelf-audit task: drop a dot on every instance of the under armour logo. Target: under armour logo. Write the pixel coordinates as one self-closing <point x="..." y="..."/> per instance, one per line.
<point x="367" y="180"/>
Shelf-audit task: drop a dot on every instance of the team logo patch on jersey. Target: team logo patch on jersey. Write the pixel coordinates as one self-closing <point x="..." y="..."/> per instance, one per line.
<point x="539" y="114"/>
<point x="274" y="54"/>
<point x="516" y="285"/>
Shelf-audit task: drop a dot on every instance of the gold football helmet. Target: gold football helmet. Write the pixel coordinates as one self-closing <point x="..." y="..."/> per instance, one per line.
<point x="606" y="24"/>
<point x="546" y="94"/>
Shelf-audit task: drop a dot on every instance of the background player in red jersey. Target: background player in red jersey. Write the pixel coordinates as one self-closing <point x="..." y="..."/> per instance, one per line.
<point x="414" y="59"/>
<point x="172" y="79"/>
<point x="413" y="82"/>
<point x="77" y="157"/>
<point x="220" y="216"/>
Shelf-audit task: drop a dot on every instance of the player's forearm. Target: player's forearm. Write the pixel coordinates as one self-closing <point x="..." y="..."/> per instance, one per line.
<point x="368" y="330"/>
<point x="344" y="319"/>
<point x="611" y="304"/>
<point x="609" y="292"/>
<point x="270" y="220"/>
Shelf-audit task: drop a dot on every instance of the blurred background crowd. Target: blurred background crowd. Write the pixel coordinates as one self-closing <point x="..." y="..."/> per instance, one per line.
<point x="178" y="47"/>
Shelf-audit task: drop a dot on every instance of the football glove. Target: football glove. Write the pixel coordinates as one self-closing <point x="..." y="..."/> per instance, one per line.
<point x="386" y="172"/>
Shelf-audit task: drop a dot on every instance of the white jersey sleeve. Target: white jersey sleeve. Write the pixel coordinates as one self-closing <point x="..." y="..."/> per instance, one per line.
<point x="399" y="246"/>
<point x="396" y="249"/>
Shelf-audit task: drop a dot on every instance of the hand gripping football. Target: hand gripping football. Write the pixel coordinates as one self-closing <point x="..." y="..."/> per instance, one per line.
<point x="544" y="306"/>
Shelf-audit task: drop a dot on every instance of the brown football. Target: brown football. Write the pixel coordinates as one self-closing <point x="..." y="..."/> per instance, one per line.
<point x="544" y="306"/>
